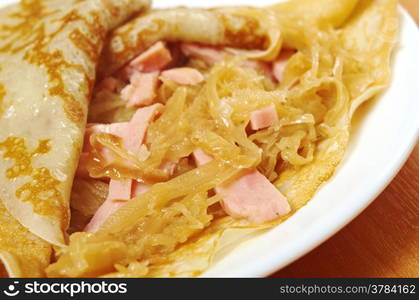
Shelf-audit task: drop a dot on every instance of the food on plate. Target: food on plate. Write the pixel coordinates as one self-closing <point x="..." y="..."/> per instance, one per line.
<point x="201" y="122"/>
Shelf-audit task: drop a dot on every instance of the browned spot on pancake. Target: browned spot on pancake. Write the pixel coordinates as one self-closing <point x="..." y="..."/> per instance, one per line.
<point x="43" y="147"/>
<point x="27" y="19"/>
<point x="42" y="191"/>
<point x="15" y="148"/>
<point x="85" y="43"/>
<point x="247" y="36"/>
<point x="55" y="64"/>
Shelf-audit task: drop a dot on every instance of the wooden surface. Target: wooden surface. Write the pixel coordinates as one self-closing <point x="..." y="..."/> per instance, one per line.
<point x="413" y="7"/>
<point x="384" y="240"/>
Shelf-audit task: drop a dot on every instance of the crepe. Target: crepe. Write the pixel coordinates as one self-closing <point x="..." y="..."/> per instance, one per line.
<point x="341" y="53"/>
<point x="240" y="27"/>
<point x="48" y="55"/>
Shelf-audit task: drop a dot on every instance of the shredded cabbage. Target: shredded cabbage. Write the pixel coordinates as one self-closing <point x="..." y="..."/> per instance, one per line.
<point x="174" y="229"/>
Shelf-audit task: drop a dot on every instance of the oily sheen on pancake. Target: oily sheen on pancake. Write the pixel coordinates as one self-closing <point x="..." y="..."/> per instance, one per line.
<point x="49" y="50"/>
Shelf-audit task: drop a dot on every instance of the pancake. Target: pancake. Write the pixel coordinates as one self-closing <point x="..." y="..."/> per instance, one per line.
<point x="48" y="55"/>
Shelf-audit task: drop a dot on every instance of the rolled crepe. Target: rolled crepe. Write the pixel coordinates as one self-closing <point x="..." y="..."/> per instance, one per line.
<point x="254" y="30"/>
<point x="49" y="50"/>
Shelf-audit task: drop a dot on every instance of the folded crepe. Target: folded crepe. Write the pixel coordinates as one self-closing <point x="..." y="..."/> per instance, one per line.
<point x="49" y="50"/>
<point x="254" y="29"/>
<point x="340" y="58"/>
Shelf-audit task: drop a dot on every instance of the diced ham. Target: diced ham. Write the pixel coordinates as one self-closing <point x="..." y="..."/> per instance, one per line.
<point x="143" y="153"/>
<point x="263" y="118"/>
<point x="119" y="193"/>
<point x="142" y="90"/>
<point x="127" y="92"/>
<point x="120" y="190"/>
<point x="210" y="55"/>
<point x="109" y="83"/>
<point x="138" y="188"/>
<point x="169" y="167"/>
<point x="200" y="157"/>
<point x="134" y="135"/>
<point x="116" y="129"/>
<point x="185" y="76"/>
<point x="280" y="64"/>
<point x="252" y="196"/>
<point x="154" y="59"/>
<point x="113" y="128"/>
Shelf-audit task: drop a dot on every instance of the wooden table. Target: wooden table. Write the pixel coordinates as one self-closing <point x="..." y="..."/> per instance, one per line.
<point x="384" y="240"/>
<point x="413" y="7"/>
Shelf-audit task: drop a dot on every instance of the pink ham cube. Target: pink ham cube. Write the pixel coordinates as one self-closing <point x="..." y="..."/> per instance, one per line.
<point x="252" y="196"/>
<point x="156" y="58"/>
<point x="119" y="193"/>
<point x="184" y="76"/>
<point x="263" y="118"/>
<point x="210" y="55"/>
<point x="280" y="64"/>
<point x="142" y="90"/>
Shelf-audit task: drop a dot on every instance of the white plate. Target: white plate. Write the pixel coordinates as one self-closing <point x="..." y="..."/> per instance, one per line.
<point x="381" y="143"/>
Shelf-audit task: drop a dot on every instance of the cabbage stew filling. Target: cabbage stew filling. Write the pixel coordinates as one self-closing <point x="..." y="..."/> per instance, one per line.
<point x="124" y="130"/>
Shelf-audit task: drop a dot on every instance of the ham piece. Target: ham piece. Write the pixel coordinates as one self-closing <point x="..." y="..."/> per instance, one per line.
<point x="120" y="191"/>
<point x="156" y="58"/>
<point x="184" y="76"/>
<point x="281" y="63"/>
<point x="252" y="196"/>
<point x="263" y="118"/>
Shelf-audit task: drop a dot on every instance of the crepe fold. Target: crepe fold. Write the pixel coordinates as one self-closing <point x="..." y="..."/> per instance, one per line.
<point x="49" y="50"/>
<point x="253" y="30"/>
